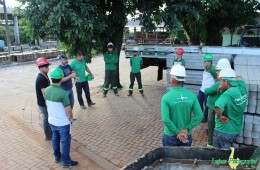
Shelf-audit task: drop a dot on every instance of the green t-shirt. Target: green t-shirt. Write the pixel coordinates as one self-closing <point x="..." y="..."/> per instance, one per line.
<point x="136" y="63"/>
<point x="213" y="95"/>
<point x="79" y="68"/>
<point x="56" y="100"/>
<point x="180" y="62"/>
<point x="111" y="60"/>
<point x="232" y="102"/>
<point x="180" y="109"/>
<point x="212" y="70"/>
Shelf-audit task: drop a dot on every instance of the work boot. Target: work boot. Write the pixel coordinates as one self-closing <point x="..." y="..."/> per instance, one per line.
<point x="129" y="94"/>
<point x="91" y="104"/>
<point x="71" y="164"/>
<point x="83" y="107"/>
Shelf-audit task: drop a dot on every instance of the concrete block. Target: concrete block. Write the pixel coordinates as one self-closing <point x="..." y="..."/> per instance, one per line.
<point x="248" y="126"/>
<point x="255" y="135"/>
<point x="251" y="109"/>
<point x="240" y="139"/>
<point x="247" y="133"/>
<point x="248" y="141"/>
<point x="235" y="145"/>
<point x="256" y="142"/>
<point x="241" y="133"/>
<point x="258" y="107"/>
<point x="256" y="120"/>
<point x="256" y="128"/>
<point x="249" y="119"/>
<point x="243" y="145"/>
<point x="252" y="98"/>
<point x="258" y="95"/>
<point x="253" y="86"/>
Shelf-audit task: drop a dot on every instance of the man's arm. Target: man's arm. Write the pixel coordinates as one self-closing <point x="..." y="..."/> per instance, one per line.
<point x="213" y="89"/>
<point x="72" y="75"/>
<point x="88" y="70"/>
<point x="69" y="113"/>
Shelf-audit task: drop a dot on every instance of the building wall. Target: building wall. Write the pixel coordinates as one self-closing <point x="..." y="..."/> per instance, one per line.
<point x="227" y="37"/>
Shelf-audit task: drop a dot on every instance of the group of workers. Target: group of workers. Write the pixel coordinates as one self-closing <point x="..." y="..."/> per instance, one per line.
<point x="220" y="102"/>
<point x="56" y="99"/>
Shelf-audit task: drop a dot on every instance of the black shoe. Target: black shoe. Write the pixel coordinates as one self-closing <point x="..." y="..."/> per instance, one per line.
<point x="83" y="107"/>
<point x="71" y="164"/>
<point x="204" y="120"/>
<point x="129" y="95"/>
<point x="91" y="104"/>
<point x="104" y="95"/>
<point x="116" y="94"/>
<point x="47" y="138"/>
<point x="57" y="160"/>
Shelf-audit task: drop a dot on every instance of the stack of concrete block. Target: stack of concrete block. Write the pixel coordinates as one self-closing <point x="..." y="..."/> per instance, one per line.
<point x="194" y="69"/>
<point x="248" y="67"/>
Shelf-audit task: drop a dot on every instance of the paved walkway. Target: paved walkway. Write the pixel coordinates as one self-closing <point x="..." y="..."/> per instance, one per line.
<point x="114" y="132"/>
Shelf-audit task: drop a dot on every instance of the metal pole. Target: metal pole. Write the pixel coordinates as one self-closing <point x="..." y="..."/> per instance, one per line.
<point x="7" y="29"/>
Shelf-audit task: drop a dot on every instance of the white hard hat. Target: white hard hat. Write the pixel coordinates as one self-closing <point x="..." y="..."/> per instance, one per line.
<point x="110" y="44"/>
<point x="178" y="72"/>
<point x="223" y="63"/>
<point x="135" y="49"/>
<point x="227" y="73"/>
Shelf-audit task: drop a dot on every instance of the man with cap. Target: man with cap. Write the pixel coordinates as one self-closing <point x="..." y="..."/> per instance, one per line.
<point x="79" y="65"/>
<point x="66" y="81"/>
<point x="179" y="60"/>
<point x="111" y="60"/>
<point x="180" y="111"/>
<point x="229" y="109"/>
<point x="213" y="94"/>
<point x="42" y="82"/>
<point x="136" y="62"/>
<point x="209" y="78"/>
<point x="60" y="119"/>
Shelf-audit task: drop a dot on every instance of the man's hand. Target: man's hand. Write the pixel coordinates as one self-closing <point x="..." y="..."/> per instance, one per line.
<point x="220" y="89"/>
<point x="183" y="136"/>
<point x="77" y="79"/>
<point x="223" y="119"/>
<point x="92" y="76"/>
<point x="71" y="120"/>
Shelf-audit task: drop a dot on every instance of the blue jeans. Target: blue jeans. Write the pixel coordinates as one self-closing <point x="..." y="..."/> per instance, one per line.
<point x="85" y="87"/>
<point x="71" y="97"/>
<point x="45" y="123"/>
<point x="174" y="141"/>
<point x="61" y="134"/>
<point x="223" y="140"/>
<point x="202" y="98"/>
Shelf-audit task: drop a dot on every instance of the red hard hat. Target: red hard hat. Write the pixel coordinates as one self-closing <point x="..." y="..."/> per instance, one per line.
<point x="41" y="61"/>
<point x="179" y="51"/>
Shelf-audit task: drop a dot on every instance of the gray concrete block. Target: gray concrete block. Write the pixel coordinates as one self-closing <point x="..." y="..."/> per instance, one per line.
<point x="252" y="98"/>
<point x="256" y="128"/>
<point x="256" y="120"/>
<point x="251" y="109"/>
<point x="249" y="118"/>
<point x="256" y="142"/>
<point x="253" y="86"/>
<point x="258" y="107"/>
<point x="240" y="139"/>
<point x="247" y="133"/>
<point x="248" y="126"/>
<point x="258" y="95"/>
<point x="235" y="145"/>
<point x="241" y="133"/>
<point x="255" y="135"/>
<point x="248" y="141"/>
<point x="243" y="145"/>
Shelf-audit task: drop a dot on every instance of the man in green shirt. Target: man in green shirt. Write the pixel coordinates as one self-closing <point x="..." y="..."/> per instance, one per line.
<point x="179" y="60"/>
<point x="111" y="60"/>
<point x="60" y="119"/>
<point x="180" y="110"/>
<point x="79" y="65"/>
<point x="229" y="109"/>
<point x="136" y="62"/>
<point x="213" y="95"/>
<point x="209" y="78"/>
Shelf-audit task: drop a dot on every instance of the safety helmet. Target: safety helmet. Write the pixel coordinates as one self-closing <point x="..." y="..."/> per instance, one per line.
<point x="110" y="45"/>
<point x="57" y="73"/>
<point x="208" y="57"/>
<point x="89" y="77"/>
<point x="227" y="73"/>
<point x="135" y="49"/>
<point x="179" y="51"/>
<point x="41" y="61"/>
<point x="223" y="63"/>
<point x="178" y="72"/>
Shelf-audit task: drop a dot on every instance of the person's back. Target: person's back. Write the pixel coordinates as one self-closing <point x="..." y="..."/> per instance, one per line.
<point x="181" y="103"/>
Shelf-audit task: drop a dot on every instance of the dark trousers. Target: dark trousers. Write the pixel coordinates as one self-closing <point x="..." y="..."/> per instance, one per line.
<point x="211" y="125"/>
<point x="85" y="87"/>
<point x="202" y="100"/>
<point x="136" y="76"/>
<point x="110" y="74"/>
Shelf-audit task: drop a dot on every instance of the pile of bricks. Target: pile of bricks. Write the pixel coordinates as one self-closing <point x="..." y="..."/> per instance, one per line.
<point x="249" y="67"/>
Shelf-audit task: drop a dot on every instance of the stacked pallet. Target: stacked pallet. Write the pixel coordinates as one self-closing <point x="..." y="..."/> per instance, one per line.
<point x="248" y="67"/>
<point x="194" y="69"/>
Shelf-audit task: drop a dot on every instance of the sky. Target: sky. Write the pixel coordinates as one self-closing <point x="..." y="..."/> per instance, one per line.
<point x="12" y="3"/>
